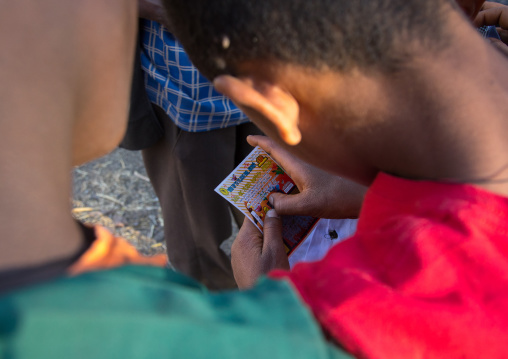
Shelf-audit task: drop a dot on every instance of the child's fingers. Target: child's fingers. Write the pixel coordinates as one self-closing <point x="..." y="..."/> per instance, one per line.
<point x="503" y="34"/>
<point x="246" y="254"/>
<point x="496" y="16"/>
<point x="289" y="162"/>
<point x="262" y="141"/>
<point x="272" y="230"/>
<point x="273" y="247"/>
<point x="269" y="147"/>
<point x="489" y="5"/>
<point x="301" y="204"/>
<point x="248" y="230"/>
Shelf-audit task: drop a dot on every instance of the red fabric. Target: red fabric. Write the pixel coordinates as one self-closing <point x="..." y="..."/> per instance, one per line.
<point x="426" y="274"/>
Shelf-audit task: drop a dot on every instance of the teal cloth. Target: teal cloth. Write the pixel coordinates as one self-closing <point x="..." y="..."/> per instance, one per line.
<point x="146" y="312"/>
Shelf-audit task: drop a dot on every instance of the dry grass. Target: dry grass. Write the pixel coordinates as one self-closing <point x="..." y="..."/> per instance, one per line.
<point x="115" y="192"/>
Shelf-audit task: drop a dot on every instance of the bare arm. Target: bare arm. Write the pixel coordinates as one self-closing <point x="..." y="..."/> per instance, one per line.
<point x="64" y="86"/>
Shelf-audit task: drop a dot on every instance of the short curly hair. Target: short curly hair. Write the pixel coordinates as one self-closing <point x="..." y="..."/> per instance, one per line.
<point x="334" y="34"/>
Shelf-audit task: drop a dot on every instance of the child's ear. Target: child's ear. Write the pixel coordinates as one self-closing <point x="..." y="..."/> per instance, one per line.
<point x="268" y="100"/>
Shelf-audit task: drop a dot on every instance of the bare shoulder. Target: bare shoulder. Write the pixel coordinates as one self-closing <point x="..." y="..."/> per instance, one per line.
<point x="52" y="27"/>
<point x="65" y="57"/>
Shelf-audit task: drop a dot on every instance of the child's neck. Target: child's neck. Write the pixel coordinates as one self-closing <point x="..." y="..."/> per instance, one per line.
<point x="452" y="125"/>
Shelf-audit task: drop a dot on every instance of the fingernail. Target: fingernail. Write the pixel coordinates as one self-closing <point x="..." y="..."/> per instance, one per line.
<point x="270" y="199"/>
<point x="217" y="81"/>
<point x="272" y="214"/>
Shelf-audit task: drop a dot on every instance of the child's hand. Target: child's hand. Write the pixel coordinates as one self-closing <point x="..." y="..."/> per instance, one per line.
<point x="494" y="14"/>
<point x="254" y="254"/>
<point x="321" y="194"/>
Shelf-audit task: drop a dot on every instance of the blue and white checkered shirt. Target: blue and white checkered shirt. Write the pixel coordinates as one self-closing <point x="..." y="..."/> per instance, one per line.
<point x="175" y="85"/>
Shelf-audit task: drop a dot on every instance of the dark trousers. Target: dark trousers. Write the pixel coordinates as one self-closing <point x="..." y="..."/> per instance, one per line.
<point x="184" y="168"/>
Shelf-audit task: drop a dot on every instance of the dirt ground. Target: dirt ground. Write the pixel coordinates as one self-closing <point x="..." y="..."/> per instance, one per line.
<point x="115" y="192"/>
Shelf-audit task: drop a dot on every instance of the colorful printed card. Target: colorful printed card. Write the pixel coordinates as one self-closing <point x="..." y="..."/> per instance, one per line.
<point x="248" y="188"/>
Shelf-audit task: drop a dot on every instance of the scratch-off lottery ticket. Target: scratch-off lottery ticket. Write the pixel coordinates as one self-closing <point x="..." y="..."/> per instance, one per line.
<point x="248" y="188"/>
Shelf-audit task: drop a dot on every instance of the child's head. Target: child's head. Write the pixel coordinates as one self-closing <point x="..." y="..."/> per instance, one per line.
<point x="318" y="74"/>
<point x="337" y="35"/>
<point x="320" y="34"/>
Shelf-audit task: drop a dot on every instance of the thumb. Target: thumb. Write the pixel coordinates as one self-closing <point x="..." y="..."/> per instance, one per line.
<point x="273" y="246"/>
<point x="272" y="227"/>
<point x="287" y="204"/>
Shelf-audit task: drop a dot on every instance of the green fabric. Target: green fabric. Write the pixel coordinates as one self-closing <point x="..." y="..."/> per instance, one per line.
<point x="145" y="312"/>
